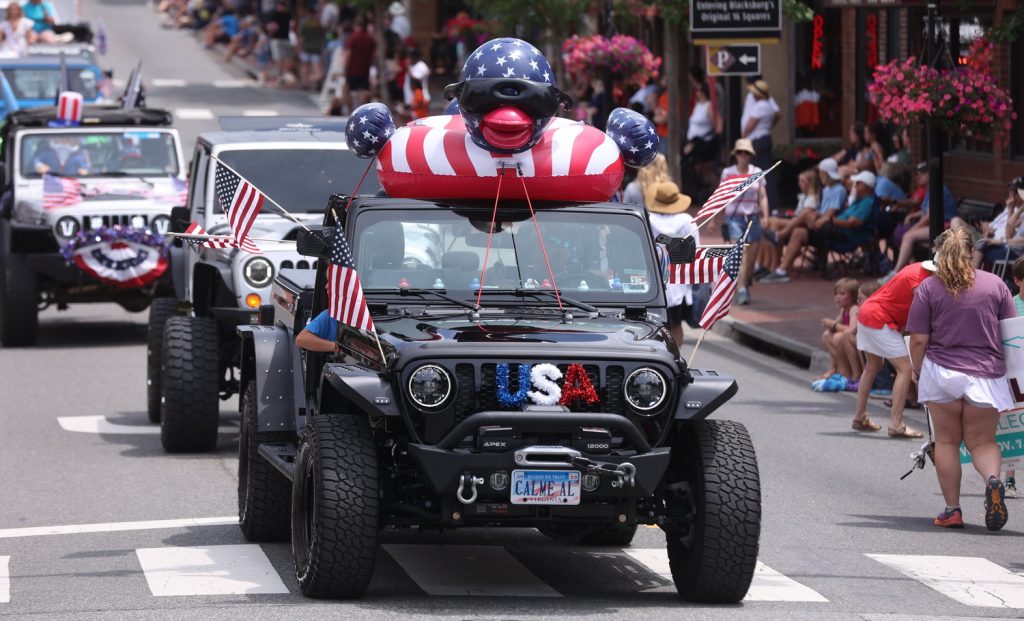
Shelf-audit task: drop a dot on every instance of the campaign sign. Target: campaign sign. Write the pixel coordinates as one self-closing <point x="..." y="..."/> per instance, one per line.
<point x="1010" y="430"/>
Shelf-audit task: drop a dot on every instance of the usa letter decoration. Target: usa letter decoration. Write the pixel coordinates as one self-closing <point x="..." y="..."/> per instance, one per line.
<point x="577" y="386"/>
<point x="506" y="398"/>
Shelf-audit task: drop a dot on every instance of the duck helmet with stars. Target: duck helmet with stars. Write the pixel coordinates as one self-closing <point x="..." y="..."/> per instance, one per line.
<point x="505" y="84"/>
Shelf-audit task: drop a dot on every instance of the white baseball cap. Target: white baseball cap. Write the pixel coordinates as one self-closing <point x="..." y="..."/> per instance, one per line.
<point x="830" y="166"/>
<point x="865" y="177"/>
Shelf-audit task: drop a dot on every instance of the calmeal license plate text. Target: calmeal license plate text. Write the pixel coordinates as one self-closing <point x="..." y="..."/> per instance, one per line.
<point x="545" y="487"/>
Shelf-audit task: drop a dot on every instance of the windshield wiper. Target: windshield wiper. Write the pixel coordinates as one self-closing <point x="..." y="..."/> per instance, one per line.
<point x="120" y="173"/>
<point x="545" y="292"/>
<point x="441" y="293"/>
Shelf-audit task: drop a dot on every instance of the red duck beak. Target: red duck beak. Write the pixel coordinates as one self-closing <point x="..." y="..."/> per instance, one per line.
<point x="507" y="128"/>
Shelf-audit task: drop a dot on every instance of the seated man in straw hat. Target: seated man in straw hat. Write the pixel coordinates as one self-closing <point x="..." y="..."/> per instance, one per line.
<point x="666" y="211"/>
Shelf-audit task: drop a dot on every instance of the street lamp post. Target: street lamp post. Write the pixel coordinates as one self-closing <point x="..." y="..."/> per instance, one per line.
<point x="936" y="206"/>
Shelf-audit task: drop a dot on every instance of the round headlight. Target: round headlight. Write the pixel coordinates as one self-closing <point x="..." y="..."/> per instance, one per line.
<point x="645" y="390"/>
<point x="429" y="386"/>
<point x="160" y="225"/>
<point x="258" y="272"/>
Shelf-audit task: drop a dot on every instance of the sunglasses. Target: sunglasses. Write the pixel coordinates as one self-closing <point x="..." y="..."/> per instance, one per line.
<point x="480" y="96"/>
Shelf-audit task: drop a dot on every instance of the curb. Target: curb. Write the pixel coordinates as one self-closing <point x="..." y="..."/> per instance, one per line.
<point x="759" y="338"/>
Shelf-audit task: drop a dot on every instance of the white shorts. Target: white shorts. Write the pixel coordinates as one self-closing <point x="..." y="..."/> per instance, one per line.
<point x="884" y="342"/>
<point x="941" y="385"/>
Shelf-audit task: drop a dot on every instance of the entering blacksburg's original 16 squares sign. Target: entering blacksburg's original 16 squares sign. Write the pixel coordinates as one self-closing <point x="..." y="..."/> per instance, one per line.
<point x="735" y="20"/>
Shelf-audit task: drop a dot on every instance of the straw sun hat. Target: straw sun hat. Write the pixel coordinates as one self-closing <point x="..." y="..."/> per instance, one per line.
<point x="665" y="197"/>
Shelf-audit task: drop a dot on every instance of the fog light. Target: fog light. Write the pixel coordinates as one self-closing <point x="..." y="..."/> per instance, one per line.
<point x="499" y="480"/>
<point x="253" y="300"/>
<point x="591" y="482"/>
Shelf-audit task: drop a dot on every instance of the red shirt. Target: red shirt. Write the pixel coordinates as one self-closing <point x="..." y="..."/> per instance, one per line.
<point x="890" y="305"/>
<point x="361" y="47"/>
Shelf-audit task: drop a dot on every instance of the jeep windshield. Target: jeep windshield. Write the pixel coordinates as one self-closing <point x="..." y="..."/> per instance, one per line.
<point x="112" y="153"/>
<point x="300" y="179"/>
<point x="596" y="256"/>
<point x="42" y="82"/>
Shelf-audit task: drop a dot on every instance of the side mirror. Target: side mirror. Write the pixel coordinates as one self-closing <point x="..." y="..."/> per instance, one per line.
<point x="312" y="243"/>
<point x="180" y="219"/>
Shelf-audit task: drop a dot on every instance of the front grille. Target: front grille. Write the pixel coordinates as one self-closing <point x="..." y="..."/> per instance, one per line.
<point x="609" y="392"/>
<point x="94" y="222"/>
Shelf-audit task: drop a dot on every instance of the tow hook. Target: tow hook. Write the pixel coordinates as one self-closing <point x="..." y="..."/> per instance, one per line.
<point x="621" y="474"/>
<point x="471" y="481"/>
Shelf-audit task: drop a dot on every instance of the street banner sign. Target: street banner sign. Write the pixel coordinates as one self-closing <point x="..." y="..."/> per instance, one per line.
<point x="734" y="59"/>
<point x="1010" y="429"/>
<point x="869" y="4"/>
<point x="735" y="20"/>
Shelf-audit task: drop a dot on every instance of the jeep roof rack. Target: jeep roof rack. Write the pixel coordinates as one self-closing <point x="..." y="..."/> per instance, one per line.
<point x="92" y="115"/>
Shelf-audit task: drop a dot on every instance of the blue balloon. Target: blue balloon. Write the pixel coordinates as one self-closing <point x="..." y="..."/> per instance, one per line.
<point x="635" y="135"/>
<point x="368" y="129"/>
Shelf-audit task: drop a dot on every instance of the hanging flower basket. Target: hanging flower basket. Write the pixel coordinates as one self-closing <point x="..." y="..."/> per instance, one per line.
<point x="964" y="99"/>
<point x="629" y="60"/>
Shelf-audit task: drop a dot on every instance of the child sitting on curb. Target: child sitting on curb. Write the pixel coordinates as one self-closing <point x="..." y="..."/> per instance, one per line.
<point x="838" y="337"/>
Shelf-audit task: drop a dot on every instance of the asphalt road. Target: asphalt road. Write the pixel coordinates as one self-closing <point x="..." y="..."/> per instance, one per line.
<point x="97" y="522"/>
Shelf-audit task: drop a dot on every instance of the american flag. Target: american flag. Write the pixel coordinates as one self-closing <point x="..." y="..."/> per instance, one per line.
<point x="725" y="286"/>
<point x="217" y="241"/>
<point x="729" y="190"/>
<point x="707" y="264"/>
<point x="179" y="190"/>
<point x="344" y="291"/>
<point x="240" y="199"/>
<point x="60" y="192"/>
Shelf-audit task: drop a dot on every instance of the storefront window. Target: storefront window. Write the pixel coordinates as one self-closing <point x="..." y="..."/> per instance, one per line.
<point x="818" y="89"/>
<point x="1017" y="92"/>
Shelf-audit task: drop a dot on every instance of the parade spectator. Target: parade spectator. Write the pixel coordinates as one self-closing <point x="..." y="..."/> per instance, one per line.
<point x="330" y="15"/>
<point x="666" y="211"/>
<point x="749" y="210"/>
<point x="646" y="178"/>
<point x="243" y="43"/>
<point x="1002" y="239"/>
<point x="849" y="157"/>
<point x="757" y="128"/>
<point x="17" y="31"/>
<point x="281" y="52"/>
<point x="879" y="147"/>
<point x="44" y="18"/>
<point x="852" y="227"/>
<point x="901" y="144"/>
<point x="918" y="231"/>
<point x="880" y="323"/>
<point x="957" y="352"/>
<point x="399" y="22"/>
<point x="311" y="41"/>
<point x="808" y="201"/>
<point x="888" y="192"/>
<point x="415" y="88"/>
<point x="843" y="357"/>
<point x="221" y="29"/>
<point x="702" y="132"/>
<point x="359" y="50"/>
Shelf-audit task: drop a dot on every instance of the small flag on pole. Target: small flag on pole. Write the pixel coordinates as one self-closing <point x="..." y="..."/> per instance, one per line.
<point x="60" y="192"/>
<point x="179" y="190"/>
<point x="706" y="266"/>
<point x="216" y="241"/>
<point x="240" y="200"/>
<point x="729" y="190"/>
<point x="725" y="286"/>
<point x="344" y="291"/>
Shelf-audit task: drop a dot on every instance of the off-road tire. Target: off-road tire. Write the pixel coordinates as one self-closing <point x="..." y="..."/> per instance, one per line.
<point x="713" y="559"/>
<point x="160" y="311"/>
<point x="614" y="536"/>
<point x="264" y="494"/>
<point x="19" y="308"/>
<point x="190" y="407"/>
<point x="335" y="507"/>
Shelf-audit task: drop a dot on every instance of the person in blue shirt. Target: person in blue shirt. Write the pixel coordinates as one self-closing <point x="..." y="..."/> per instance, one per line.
<point x="319" y="334"/>
<point x="62" y="156"/>
<point x="919" y="232"/>
<point x="44" y="18"/>
<point x="889" y="195"/>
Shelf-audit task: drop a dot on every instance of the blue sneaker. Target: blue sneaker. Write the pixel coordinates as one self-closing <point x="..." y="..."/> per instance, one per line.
<point x="836" y="383"/>
<point x="880" y="393"/>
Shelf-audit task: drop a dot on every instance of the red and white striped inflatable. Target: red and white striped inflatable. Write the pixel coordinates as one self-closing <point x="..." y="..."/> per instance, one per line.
<point x="69" y="107"/>
<point x="436" y="158"/>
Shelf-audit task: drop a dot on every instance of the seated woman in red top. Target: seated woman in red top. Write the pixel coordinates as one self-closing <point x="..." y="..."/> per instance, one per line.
<point x="880" y="324"/>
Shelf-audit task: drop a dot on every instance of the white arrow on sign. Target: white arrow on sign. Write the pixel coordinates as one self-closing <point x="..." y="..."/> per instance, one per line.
<point x="746" y="60"/>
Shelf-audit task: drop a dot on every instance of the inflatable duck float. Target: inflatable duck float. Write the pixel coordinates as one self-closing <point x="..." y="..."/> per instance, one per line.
<point x="500" y="122"/>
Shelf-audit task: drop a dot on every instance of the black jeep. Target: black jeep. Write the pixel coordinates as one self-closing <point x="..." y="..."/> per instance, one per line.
<point x="461" y="423"/>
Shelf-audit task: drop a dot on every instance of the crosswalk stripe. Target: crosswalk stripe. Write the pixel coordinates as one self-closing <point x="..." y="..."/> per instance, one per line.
<point x="233" y="83"/>
<point x="259" y="113"/>
<point x="168" y="82"/>
<point x="102" y="425"/>
<point x="5" y="579"/>
<point x="768" y="585"/>
<point x="468" y="570"/>
<point x="241" y="569"/>
<point x="967" y="579"/>
<point x="194" y="114"/>
<point x="114" y="527"/>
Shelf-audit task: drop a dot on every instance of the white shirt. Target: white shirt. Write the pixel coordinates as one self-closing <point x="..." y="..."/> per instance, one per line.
<point x="641" y="95"/>
<point x="749" y="203"/>
<point x="675" y="225"/>
<point x="700" y="124"/>
<point x="804" y="201"/>
<point x="421" y="72"/>
<point x="16" y="36"/>
<point x="633" y="193"/>
<point x="764" y="113"/>
<point x="401" y="27"/>
<point x="748" y="108"/>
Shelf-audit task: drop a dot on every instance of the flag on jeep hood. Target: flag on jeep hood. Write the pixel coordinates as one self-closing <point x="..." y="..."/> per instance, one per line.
<point x="60" y="192"/>
<point x="344" y="291"/>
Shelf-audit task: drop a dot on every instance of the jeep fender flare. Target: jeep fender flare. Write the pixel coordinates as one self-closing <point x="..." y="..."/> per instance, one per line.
<point x="347" y="387"/>
<point x="177" y="259"/>
<point x="271" y="360"/>
<point x="707" y="393"/>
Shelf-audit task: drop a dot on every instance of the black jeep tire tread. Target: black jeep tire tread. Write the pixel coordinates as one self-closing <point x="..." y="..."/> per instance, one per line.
<point x="190" y="407"/>
<point x="19" y="308"/>
<point x="160" y="311"/>
<point x="726" y="488"/>
<point x="339" y="456"/>
<point x="615" y="535"/>
<point x="264" y="494"/>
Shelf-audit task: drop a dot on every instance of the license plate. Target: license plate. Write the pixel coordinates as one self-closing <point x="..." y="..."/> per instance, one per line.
<point x="545" y="487"/>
